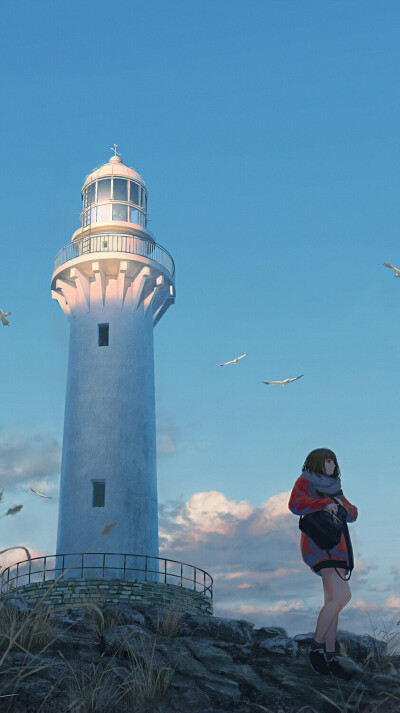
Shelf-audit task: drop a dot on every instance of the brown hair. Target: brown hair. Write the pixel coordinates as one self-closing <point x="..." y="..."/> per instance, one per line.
<point x="315" y="461"/>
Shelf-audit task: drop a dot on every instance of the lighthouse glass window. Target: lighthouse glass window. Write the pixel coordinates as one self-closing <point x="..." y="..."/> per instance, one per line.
<point x="104" y="190"/>
<point x="134" y="216"/>
<point x="88" y="217"/>
<point x="89" y="195"/>
<point x="134" y="193"/>
<point x="120" y="189"/>
<point x="103" y="213"/>
<point x="119" y="211"/>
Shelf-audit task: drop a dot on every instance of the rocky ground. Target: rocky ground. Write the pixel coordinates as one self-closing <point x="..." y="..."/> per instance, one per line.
<point x="216" y="665"/>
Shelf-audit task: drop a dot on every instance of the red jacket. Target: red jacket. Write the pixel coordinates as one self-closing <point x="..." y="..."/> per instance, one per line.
<point x="304" y="499"/>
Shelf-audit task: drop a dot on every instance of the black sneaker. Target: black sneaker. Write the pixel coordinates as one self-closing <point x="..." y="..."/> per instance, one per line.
<point x="337" y="671"/>
<point x="318" y="661"/>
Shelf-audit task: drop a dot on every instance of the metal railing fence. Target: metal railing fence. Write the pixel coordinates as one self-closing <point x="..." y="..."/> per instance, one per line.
<point x="116" y="242"/>
<point x="12" y="573"/>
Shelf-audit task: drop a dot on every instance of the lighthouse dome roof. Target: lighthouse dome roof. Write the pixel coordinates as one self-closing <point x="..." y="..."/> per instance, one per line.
<point x="114" y="167"/>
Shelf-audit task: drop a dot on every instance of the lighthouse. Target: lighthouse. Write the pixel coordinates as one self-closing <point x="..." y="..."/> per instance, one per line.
<point x="113" y="282"/>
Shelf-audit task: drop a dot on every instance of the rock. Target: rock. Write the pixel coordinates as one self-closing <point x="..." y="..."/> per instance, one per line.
<point x="269" y="631"/>
<point x="357" y="646"/>
<point x="280" y="645"/>
<point x="208" y="665"/>
<point x="220" y="628"/>
<point x="19" y="603"/>
<point x="72" y="619"/>
<point x="183" y="693"/>
<point x="222" y="692"/>
<point x="123" y="614"/>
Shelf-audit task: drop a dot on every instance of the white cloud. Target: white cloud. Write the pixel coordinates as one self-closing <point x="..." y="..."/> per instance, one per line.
<point x="28" y="460"/>
<point x="212" y="512"/>
<point x="167" y="439"/>
<point x="16" y="554"/>
<point x="253" y="555"/>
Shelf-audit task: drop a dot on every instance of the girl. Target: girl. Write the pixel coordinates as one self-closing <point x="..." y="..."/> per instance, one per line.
<point x="313" y="490"/>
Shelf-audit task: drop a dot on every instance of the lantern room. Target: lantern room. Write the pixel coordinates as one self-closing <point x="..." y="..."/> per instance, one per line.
<point x="112" y="194"/>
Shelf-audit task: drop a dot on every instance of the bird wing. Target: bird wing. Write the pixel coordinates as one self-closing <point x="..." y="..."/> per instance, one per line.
<point x="40" y="494"/>
<point x="272" y="382"/>
<point x="234" y="361"/>
<point x="4" y="321"/>
<point x="392" y="267"/>
<point x="296" y="377"/>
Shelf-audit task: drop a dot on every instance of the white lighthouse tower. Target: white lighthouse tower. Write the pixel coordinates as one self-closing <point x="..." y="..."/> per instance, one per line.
<point x="113" y="283"/>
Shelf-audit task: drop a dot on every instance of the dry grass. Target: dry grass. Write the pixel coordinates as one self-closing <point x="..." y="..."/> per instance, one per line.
<point x="171" y="623"/>
<point x="143" y="681"/>
<point x="384" y="662"/>
<point x="29" y="631"/>
<point x="101" y="687"/>
<point x="95" y="689"/>
<point x="114" y="687"/>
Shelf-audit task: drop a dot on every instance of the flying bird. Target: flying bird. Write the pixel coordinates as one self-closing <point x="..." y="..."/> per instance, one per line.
<point x="40" y="494"/>
<point x="234" y="361"/>
<point x="395" y="269"/>
<point x="284" y="382"/>
<point x="3" y="318"/>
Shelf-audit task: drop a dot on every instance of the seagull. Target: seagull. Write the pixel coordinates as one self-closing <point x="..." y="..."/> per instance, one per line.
<point x="234" y="361"/>
<point x="387" y="264"/>
<point x="3" y="318"/>
<point x="40" y="494"/>
<point x="284" y="382"/>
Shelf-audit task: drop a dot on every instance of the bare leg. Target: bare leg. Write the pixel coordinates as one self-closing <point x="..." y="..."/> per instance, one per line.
<point x="327" y="616"/>
<point x="330" y="636"/>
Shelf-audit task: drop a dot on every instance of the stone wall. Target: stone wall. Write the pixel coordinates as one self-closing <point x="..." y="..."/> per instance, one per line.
<point x="75" y="590"/>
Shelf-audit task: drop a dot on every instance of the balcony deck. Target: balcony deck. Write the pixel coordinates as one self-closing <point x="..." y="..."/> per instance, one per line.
<point x="116" y="242"/>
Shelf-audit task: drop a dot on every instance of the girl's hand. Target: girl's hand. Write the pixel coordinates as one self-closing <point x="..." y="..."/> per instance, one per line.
<point x="332" y="507"/>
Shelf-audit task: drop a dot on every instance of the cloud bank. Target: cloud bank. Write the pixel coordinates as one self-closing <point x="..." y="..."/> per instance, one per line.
<point x="29" y="459"/>
<point x="252" y="552"/>
<point x="253" y="555"/>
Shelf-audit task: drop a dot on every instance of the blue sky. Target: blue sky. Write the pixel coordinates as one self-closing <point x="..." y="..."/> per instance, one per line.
<point x="268" y="137"/>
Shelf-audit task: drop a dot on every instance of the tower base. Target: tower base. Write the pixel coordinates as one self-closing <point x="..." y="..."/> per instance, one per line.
<point x="78" y="590"/>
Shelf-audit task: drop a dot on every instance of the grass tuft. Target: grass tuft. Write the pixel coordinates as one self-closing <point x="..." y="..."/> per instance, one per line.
<point x="141" y="679"/>
<point x="144" y="681"/>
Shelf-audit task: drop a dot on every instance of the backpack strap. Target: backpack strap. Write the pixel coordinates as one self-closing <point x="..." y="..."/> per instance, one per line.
<point x="349" y="552"/>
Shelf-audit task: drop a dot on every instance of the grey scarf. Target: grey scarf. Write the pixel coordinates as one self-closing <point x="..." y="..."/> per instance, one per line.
<point x="325" y="485"/>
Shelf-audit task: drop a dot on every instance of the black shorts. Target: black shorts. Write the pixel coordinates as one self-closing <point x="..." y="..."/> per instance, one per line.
<point x="331" y="563"/>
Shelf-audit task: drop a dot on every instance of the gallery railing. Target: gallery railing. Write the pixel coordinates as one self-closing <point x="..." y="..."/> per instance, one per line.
<point x="200" y="581"/>
<point x="116" y="242"/>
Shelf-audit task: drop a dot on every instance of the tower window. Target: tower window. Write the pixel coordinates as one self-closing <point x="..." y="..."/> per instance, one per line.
<point x="88" y="195"/>
<point x="98" y="494"/>
<point x="103" y="213"/>
<point x="119" y="211"/>
<point x="120" y="191"/>
<point x="103" y="335"/>
<point x="104" y="190"/>
<point x="134" y="195"/>
<point x="134" y="216"/>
